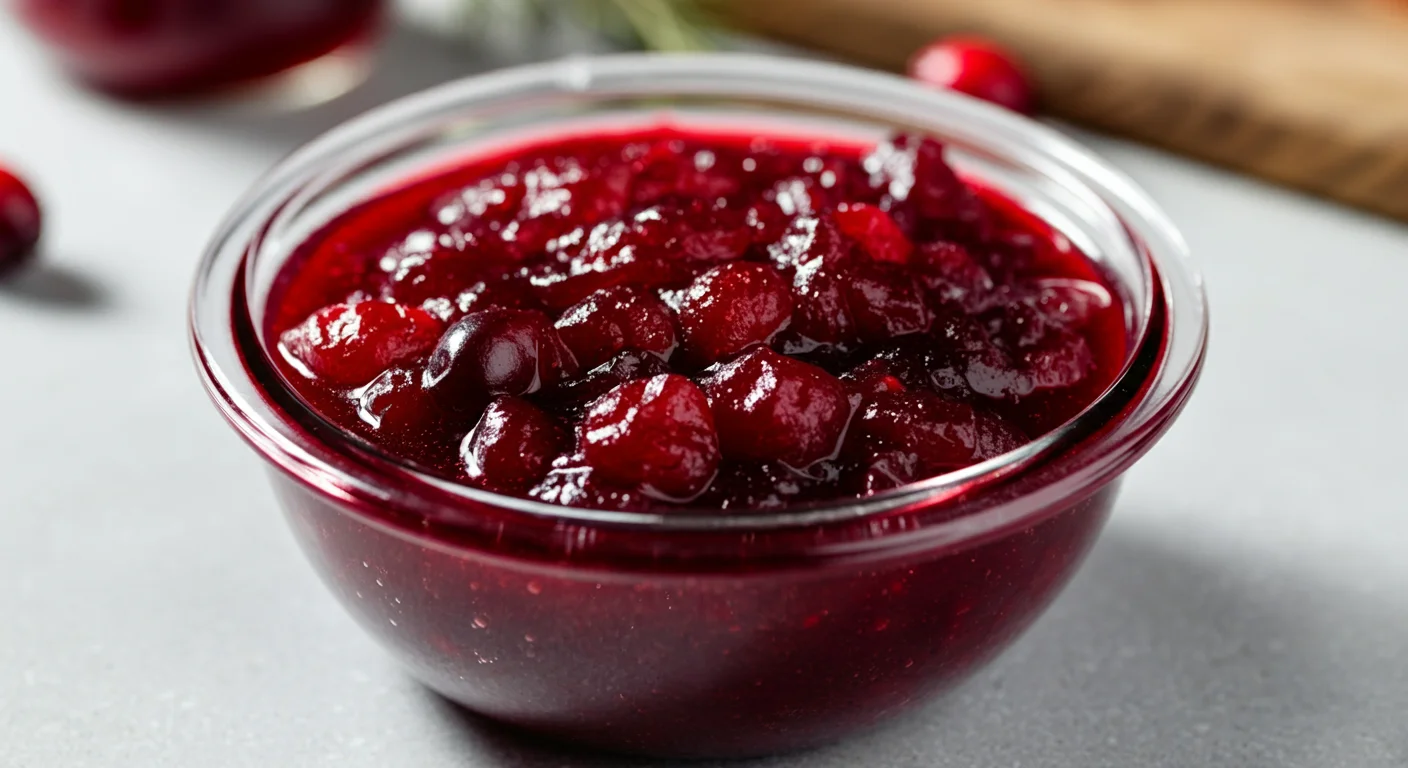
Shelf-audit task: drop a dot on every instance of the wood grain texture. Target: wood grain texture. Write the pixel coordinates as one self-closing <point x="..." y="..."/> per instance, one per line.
<point x="1308" y="93"/>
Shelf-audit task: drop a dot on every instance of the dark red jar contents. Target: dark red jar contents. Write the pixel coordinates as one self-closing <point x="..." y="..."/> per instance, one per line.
<point x="666" y="317"/>
<point x="162" y="48"/>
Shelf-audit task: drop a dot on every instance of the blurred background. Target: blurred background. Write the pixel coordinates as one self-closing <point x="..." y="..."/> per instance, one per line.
<point x="1245" y="607"/>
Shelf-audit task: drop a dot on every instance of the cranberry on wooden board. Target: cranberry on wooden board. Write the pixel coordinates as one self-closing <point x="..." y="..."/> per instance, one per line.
<point x="20" y="222"/>
<point x="978" y="67"/>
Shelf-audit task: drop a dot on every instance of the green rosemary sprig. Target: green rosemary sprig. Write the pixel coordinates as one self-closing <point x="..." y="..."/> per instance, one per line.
<point x="662" y="25"/>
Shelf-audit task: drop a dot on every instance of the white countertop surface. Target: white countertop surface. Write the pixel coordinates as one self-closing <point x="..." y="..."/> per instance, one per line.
<point x="1247" y="606"/>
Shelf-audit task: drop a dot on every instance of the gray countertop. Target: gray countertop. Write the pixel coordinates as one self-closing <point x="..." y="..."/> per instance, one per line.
<point x="1248" y="604"/>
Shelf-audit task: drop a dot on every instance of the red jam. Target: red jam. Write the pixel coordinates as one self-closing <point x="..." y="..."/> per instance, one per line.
<point x="670" y="317"/>
<point x="157" y="48"/>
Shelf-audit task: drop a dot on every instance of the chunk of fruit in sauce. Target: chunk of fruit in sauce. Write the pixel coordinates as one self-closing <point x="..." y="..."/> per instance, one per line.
<point x="662" y="318"/>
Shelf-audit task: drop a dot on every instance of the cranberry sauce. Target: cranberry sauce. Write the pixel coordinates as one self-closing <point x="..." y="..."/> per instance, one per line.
<point x="648" y="319"/>
<point x="176" y="47"/>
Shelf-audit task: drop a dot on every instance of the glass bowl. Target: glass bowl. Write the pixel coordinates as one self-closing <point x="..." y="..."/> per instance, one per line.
<point x="697" y="634"/>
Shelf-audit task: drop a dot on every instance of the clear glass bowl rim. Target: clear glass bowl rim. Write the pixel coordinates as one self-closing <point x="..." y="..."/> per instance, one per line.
<point x="1162" y="391"/>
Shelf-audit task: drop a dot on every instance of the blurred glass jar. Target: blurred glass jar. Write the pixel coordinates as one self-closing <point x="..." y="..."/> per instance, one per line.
<point x="178" y="48"/>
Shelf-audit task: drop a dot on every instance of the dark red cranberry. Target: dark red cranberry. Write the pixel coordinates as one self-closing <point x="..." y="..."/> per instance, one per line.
<point x="654" y="434"/>
<point x="511" y="447"/>
<point x="1069" y="303"/>
<point x="874" y="231"/>
<point x="797" y="196"/>
<point x="494" y="199"/>
<point x="818" y="256"/>
<point x="807" y="239"/>
<point x="613" y="319"/>
<point x="821" y="312"/>
<point x="704" y="231"/>
<point x="1057" y="359"/>
<point x="909" y="436"/>
<point x="611" y="255"/>
<point x="770" y="407"/>
<point x="562" y="193"/>
<point x="766" y="222"/>
<point x="919" y="184"/>
<point x="423" y="269"/>
<point x="731" y="307"/>
<point x="628" y="365"/>
<point x="496" y="351"/>
<point x="977" y="67"/>
<point x="668" y="169"/>
<point x="511" y="292"/>
<point x="395" y="407"/>
<point x="1061" y="359"/>
<point x="349" y="344"/>
<point x="20" y="222"/>
<point x="949" y="271"/>
<point x="923" y="362"/>
<point x="885" y="301"/>
<point x="572" y="483"/>
<point x="1015" y="325"/>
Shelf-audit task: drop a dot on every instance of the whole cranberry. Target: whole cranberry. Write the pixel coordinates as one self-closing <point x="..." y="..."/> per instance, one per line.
<point x="653" y="434"/>
<point x="874" y="231"/>
<point x="496" y="351"/>
<point x="886" y="302"/>
<point x="770" y="407"/>
<point x="907" y="436"/>
<point x="394" y="405"/>
<point x="613" y="319"/>
<point x="611" y="255"/>
<point x="563" y="193"/>
<point x="733" y="306"/>
<point x="511" y="447"/>
<point x="809" y="238"/>
<point x="696" y="231"/>
<point x="395" y="412"/>
<point x="978" y="67"/>
<point x="421" y="269"/>
<point x="667" y="169"/>
<point x="511" y="292"/>
<point x="813" y="250"/>
<point x="20" y="222"/>
<point x="949" y="271"/>
<point x="350" y="344"/>
<point x="919" y="184"/>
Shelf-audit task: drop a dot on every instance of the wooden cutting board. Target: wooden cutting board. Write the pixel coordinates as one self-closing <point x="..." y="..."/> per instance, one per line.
<point x="1309" y="93"/>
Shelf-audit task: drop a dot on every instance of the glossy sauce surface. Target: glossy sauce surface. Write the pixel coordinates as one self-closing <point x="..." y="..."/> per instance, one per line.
<point x="666" y="317"/>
